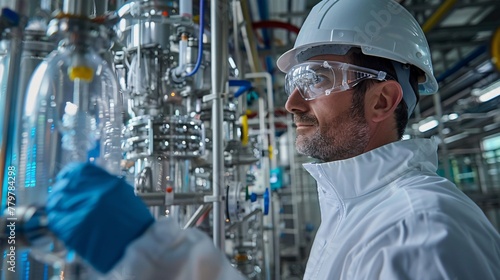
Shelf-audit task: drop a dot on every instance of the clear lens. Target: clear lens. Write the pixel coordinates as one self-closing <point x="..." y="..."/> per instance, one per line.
<point x="315" y="78"/>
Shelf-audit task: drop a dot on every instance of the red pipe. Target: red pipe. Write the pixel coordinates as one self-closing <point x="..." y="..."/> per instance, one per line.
<point x="275" y="24"/>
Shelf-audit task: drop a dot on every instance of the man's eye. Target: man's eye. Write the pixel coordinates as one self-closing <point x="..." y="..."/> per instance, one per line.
<point x="322" y="80"/>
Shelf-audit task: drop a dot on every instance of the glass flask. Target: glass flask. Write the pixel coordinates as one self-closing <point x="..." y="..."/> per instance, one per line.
<point x="72" y="113"/>
<point x="4" y="116"/>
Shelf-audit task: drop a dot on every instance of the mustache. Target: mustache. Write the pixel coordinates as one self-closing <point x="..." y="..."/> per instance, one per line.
<point x="305" y="119"/>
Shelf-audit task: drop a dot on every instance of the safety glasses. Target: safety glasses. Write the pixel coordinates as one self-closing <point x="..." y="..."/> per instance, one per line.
<point x="316" y="78"/>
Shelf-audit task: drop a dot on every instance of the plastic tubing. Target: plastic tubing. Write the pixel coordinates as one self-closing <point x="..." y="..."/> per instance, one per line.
<point x="200" y="40"/>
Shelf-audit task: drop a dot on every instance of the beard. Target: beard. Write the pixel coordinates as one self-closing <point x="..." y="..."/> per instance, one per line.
<point x="344" y="137"/>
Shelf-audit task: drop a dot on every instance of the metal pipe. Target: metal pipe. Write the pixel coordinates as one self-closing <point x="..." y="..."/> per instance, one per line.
<point x="495" y="49"/>
<point x="266" y="271"/>
<point x="236" y="38"/>
<point x="202" y="210"/>
<point x="270" y="107"/>
<point x="158" y="199"/>
<point x="462" y="63"/>
<point x="481" y="173"/>
<point x="101" y="7"/>
<point x="251" y="214"/>
<point x="435" y="18"/>
<point x="186" y="9"/>
<point x="248" y="36"/>
<point x="218" y="56"/>
<point x="78" y="7"/>
<point x="265" y="167"/>
<point x="444" y="149"/>
<point x="272" y="158"/>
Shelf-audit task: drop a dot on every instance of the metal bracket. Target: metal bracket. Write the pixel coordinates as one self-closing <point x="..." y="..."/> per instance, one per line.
<point x="211" y="97"/>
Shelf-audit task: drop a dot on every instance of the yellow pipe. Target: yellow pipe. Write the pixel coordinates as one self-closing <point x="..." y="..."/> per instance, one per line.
<point x="495" y="49"/>
<point x="438" y="15"/>
<point x="251" y="48"/>
<point x="244" y="130"/>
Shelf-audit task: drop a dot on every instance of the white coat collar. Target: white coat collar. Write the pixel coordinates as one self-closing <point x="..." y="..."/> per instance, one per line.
<point x="367" y="172"/>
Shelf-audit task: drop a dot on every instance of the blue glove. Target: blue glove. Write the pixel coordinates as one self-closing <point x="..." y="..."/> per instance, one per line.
<point x="95" y="214"/>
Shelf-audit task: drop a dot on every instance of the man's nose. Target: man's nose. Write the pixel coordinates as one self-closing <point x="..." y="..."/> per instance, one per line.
<point x="295" y="102"/>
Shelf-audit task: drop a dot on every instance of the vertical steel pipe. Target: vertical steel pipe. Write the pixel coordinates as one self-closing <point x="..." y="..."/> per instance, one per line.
<point x="78" y="7"/>
<point x="272" y="162"/>
<point x="219" y="57"/>
<point x="444" y="149"/>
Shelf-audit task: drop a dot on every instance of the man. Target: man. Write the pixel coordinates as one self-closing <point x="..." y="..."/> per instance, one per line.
<point x="352" y="82"/>
<point x="385" y="214"/>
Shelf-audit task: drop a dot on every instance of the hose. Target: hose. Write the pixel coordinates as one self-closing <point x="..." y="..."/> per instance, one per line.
<point x="200" y="39"/>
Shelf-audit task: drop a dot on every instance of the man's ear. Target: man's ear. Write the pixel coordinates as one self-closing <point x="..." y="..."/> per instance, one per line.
<point x="382" y="100"/>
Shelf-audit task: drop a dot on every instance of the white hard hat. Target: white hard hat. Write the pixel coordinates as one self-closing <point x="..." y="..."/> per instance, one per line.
<point x="381" y="28"/>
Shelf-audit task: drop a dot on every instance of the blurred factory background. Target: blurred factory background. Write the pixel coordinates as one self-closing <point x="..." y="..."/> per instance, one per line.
<point x="186" y="102"/>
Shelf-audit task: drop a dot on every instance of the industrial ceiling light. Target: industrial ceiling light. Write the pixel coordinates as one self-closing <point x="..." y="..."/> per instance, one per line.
<point x="427" y="124"/>
<point x="449" y="117"/>
<point x="488" y="92"/>
<point x="453" y="116"/>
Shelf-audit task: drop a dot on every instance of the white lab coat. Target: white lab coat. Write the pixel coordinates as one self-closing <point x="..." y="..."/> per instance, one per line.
<point x="167" y="252"/>
<point x="385" y="215"/>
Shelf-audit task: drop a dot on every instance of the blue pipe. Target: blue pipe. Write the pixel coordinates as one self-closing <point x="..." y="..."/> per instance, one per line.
<point x="264" y="15"/>
<point x="242" y="90"/>
<point x="243" y="84"/>
<point x="8" y="18"/>
<point x="239" y="83"/>
<point x="473" y="55"/>
<point x="270" y="64"/>
<point x="200" y="39"/>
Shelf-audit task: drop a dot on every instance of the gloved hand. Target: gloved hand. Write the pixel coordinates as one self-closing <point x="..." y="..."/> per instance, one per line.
<point x="95" y="214"/>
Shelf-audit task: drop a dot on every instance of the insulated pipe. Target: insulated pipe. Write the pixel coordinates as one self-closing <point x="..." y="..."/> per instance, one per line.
<point x="435" y="18"/>
<point x="219" y="54"/>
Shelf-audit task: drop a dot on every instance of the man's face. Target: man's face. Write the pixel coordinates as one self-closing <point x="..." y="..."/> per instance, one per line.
<point x="330" y="127"/>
